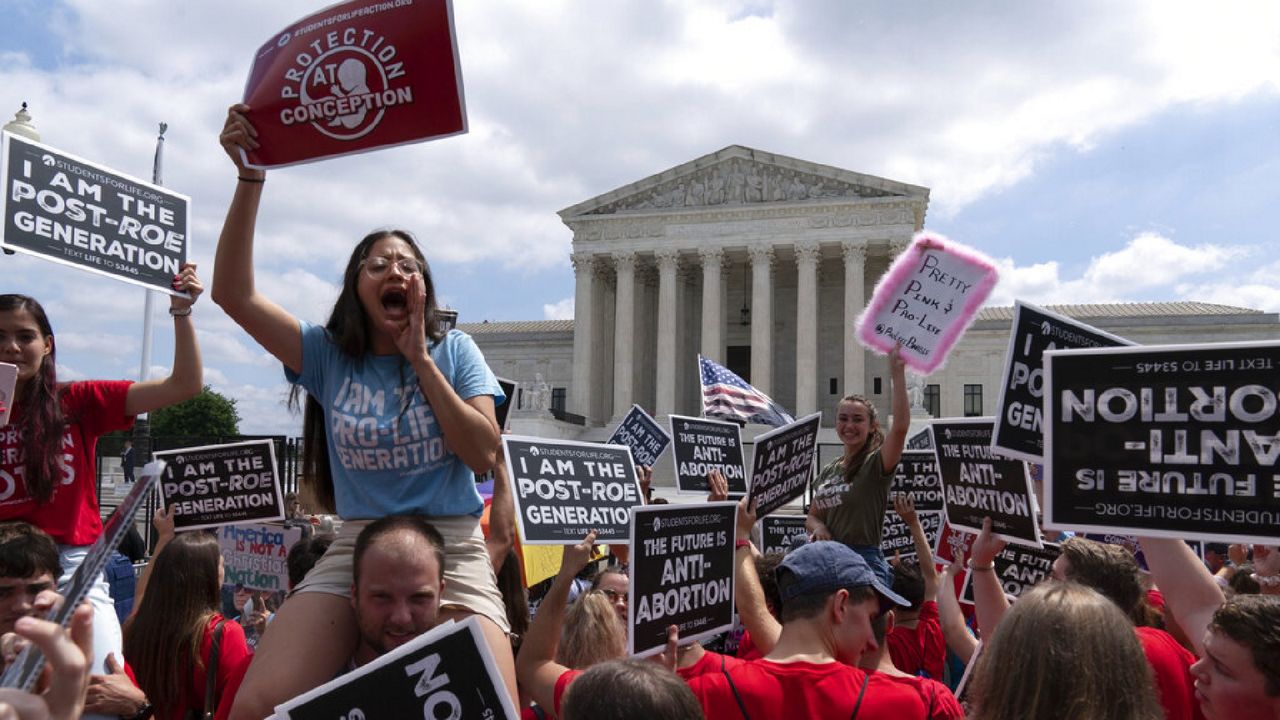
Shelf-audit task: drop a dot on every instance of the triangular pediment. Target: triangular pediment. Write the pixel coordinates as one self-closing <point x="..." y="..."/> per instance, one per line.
<point x="740" y="176"/>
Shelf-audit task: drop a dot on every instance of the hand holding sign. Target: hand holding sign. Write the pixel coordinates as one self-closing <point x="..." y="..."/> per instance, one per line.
<point x="68" y="653"/>
<point x="577" y="555"/>
<point x="906" y="508"/>
<point x="985" y="548"/>
<point x="239" y="136"/>
<point x="719" y="487"/>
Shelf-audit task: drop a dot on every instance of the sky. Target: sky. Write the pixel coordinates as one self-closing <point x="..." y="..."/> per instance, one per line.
<point x="1099" y="151"/>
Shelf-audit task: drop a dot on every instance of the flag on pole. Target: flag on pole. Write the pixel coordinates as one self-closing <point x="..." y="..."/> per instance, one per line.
<point x="725" y="395"/>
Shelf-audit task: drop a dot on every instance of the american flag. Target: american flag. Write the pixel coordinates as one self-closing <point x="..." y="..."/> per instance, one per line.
<point x="725" y="395"/>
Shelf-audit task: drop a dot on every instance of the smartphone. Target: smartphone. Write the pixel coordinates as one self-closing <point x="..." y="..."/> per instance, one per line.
<point x="248" y="608"/>
<point x="8" y="379"/>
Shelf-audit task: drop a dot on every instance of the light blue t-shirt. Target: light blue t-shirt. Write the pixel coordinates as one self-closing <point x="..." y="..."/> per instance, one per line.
<point x="386" y="451"/>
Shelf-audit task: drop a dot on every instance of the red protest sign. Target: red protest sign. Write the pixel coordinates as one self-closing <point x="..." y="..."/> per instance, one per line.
<point x="355" y="77"/>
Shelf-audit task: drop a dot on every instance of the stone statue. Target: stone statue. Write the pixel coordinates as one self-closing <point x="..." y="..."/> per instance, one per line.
<point x="915" y="393"/>
<point x="540" y="394"/>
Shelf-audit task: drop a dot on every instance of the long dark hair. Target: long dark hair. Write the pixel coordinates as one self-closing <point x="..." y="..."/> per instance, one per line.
<point x="875" y="437"/>
<point x="163" y="636"/>
<point x="42" y="421"/>
<point x="348" y="328"/>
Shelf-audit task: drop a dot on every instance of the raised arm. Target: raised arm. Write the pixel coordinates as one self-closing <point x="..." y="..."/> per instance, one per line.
<point x="896" y="438"/>
<point x="187" y="377"/>
<point x="536" y="668"/>
<point x="1189" y="590"/>
<point x="748" y="593"/>
<point x="906" y="509"/>
<point x="163" y="523"/>
<point x="959" y="639"/>
<point x="988" y="595"/>
<point x="502" y="515"/>
<point x="233" y="286"/>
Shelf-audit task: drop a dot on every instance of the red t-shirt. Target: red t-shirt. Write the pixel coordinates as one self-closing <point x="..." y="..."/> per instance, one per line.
<point x="233" y="660"/>
<point x="916" y="696"/>
<point x="920" y="648"/>
<point x="91" y="408"/>
<point x="710" y="662"/>
<point x="747" y="649"/>
<point x="1171" y="665"/>
<point x="562" y="684"/>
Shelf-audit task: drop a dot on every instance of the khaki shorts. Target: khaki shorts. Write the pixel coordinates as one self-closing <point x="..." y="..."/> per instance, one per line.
<point x="469" y="580"/>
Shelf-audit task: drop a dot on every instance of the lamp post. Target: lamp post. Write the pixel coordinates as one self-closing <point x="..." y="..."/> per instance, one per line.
<point x="21" y="125"/>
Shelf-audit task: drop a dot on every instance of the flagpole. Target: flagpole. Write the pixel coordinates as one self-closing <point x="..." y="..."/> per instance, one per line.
<point x="142" y="429"/>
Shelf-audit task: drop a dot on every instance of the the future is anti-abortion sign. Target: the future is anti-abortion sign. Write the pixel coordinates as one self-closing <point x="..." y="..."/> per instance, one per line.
<point x="1020" y="424"/>
<point x="702" y="445"/>
<point x="1018" y="568"/>
<point x="681" y="573"/>
<point x="978" y="482"/>
<point x="355" y="77"/>
<point x="1170" y="441"/>
<point x="926" y="300"/>
<point x="78" y="213"/>
<point x="564" y="489"/>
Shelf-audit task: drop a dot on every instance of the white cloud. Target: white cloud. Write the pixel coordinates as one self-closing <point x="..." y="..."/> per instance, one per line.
<point x="562" y="310"/>
<point x="1146" y="268"/>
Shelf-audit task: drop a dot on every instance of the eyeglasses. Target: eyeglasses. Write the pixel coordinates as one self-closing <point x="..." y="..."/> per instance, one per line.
<point x="378" y="266"/>
<point x="614" y="595"/>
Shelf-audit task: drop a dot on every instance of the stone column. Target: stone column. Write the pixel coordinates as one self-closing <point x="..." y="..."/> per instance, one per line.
<point x="807" y="257"/>
<point x="712" y="303"/>
<point x="665" y="400"/>
<point x="624" y="333"/>
<point x="580" y="396"/>
<point x="762" y="318"/>
<point x="855" y="359"/>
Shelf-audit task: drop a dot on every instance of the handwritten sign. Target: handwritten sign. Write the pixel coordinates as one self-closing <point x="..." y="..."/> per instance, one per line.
<point x="1020" y="422"/>
<point x="926" y="300"/>
<point x="354" y="77"/>
<point x="977" y="482"/>
<point x="1171" y="441"/>
<point x="681" y="573"/>
<point x="565" y="489"/>
<point x="77" y="213"/>
<point x="255" y="555"/>
<point x="703" y="445"/>
<point x="643" y="435"/>
<point x="214" y="485"/>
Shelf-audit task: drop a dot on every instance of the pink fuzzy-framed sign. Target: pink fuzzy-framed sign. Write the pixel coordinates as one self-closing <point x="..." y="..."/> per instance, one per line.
<point x="926" y="300"/>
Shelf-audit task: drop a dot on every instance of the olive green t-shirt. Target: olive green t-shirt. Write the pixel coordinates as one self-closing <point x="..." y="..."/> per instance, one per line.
<point x="854" y="511"/>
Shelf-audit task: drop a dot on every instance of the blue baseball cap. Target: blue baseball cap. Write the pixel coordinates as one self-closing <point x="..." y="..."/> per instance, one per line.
<point x="826" y="566"/>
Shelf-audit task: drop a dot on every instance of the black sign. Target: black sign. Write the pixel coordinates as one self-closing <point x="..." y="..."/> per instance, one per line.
<point x="777" y="532"/>
<point x="447" y="672"/>
<point x="782" y="464"/>
<point x="1174" y="441"/>
<point x="703" y="445"/>
<point x="917" y="476"/>
<point x="897" y="534"/>
<point x="978" y="483"/>
<point x="643" y="435"/>
<point x="1019" y="569"/>
<point x="681" y="573"/>
<point x="218" y="485"/>
<point x="565" y="489"/>
<point x="920" y="441"/>
<point x="1020" y="424"/>
<point x="503" y="411"/>
<point x="75" y="212"/>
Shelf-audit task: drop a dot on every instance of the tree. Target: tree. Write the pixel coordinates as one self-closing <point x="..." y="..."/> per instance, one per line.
<point x="208" y="414"/>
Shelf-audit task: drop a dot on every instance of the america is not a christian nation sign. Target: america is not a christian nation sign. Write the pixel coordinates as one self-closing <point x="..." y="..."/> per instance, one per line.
<point x="1170" y="441"/>
<point x="354" y="77"/>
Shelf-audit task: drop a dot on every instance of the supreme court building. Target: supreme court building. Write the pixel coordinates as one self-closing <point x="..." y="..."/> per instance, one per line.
<point x="761" y="262"/>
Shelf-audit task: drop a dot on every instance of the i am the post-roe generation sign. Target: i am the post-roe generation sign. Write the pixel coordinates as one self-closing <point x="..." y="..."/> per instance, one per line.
<point x="355" y="77"/>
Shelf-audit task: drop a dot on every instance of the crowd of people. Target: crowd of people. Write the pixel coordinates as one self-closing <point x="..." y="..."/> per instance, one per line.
<point x="399" y="419"/>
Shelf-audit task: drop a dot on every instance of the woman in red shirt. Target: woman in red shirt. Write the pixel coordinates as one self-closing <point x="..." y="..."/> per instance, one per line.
<point x="47" y="472"/>
<point x="169" y="637"/>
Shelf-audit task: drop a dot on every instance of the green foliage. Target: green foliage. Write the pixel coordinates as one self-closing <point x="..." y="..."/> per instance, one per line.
<point x="207" y="414"/>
